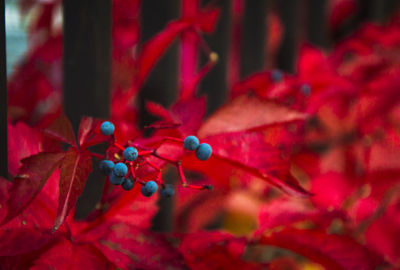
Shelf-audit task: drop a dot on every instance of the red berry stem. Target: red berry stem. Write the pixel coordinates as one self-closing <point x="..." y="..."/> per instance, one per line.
<point x="164" y="158"/>
<point x="154" y="166"/>
<point x="184" y="182"/>
<point x="171" y="139"/>
<point x="201" y="42"/>
<point x="142" y="147"/>
<point x="140" y="181"/>
<point x="169" y="126"/>
<point x="119" y="146"/>
<point x="132" y="172"/>
<point x="146" y="153"/>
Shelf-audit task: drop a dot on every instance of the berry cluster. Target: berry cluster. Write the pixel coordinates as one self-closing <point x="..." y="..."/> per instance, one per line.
<point x="123" y="172"/>
<point x="203" y="151"/>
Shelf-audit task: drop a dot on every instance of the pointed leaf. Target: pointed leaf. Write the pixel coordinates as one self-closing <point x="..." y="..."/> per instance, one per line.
<point x="188" y="113"/>
<point x="87" y="135"/>
<point x="30" y="180"/>
<point x="331" y="251"/>
<point x="74" y="171"/>
<point x="61" y="129"/>
<point x="154" y="48"/>
<point x="22" y="142"/>
<point x="207" y="20"/>
<point x="159" y="111"/>
<point x="245" y="113"/>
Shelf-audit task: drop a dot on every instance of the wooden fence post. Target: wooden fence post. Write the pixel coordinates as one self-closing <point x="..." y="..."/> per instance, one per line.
<point x="160" y="86"/>
<point x="254" y="31"/>
<point x="87" y="73"/>
<point x="87" y="59"/>
<point x="214" y="84"/>
<point x="317" y="22"/>
<point x="288" y="10"/>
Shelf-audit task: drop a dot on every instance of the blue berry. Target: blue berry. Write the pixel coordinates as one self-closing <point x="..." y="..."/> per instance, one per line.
<point x="106" y="166"/>
<point x="130" y="153"/>
<point x="149" y="188"/>
<point x="127" y="184"/>
<point x="191" y="143"/>
<point x="305" y="89"/>
<point x="120" y="169"/>
<point x="203" y="151"/>
<point x="168" y="191"/>
<point x="116" y="180"/>
<point x="276" y="75"/>
<point x="107" y="128"/>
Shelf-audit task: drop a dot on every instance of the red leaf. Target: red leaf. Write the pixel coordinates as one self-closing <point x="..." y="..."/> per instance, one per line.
<point x="245" y="113"/>
<point x="188" y="113"/>
<point x="87" y="134"/>
<point x="154" y="48"/>
<point x="275" y="32"/>
<point x="341" y="11"/>
<point x="129" y="247"/>
<point x="135" y="210"/>
<point x="331" y="251"/>
<point x="130" y="208"/>
<point x="30" y="180"/>
<point x="5" y="186"/>
<point x="214" y="250"/>
<point x="159" y="111"/>
<point x="284" y="212"/>
<point x="188" y="52"/>
<point x="74" y="171"/>
<point x="17" y="241"/>
<point x="61" y="129"/>
<point x="250" y="151"/>
<point x="195" y="210"/>
<point x="30" y="230"/>
<point x="22" y="142"/>
<point x="332" y="189"/>
<point x="208" y="19"/>
<point x="383" y="234"/>
<point x="66" y="255"/>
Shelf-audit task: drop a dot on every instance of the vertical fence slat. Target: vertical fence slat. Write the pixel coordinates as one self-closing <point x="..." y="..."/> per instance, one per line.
<point x="214" y="84"/>
<point x="3" y="91"/>
<point x="254" y="30"/>
<point x="391" y="7"/>
<point x="87" y="58"/>
<point x="87" y="66"/>
<point x="288" y="11"/>
<point x="316" y="22"/>
<point x="377" y="10"/>
<point x="161" y="85"/>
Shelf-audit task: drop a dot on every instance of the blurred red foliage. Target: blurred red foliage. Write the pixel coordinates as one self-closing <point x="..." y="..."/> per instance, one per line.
<point x="307" y="163"/>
